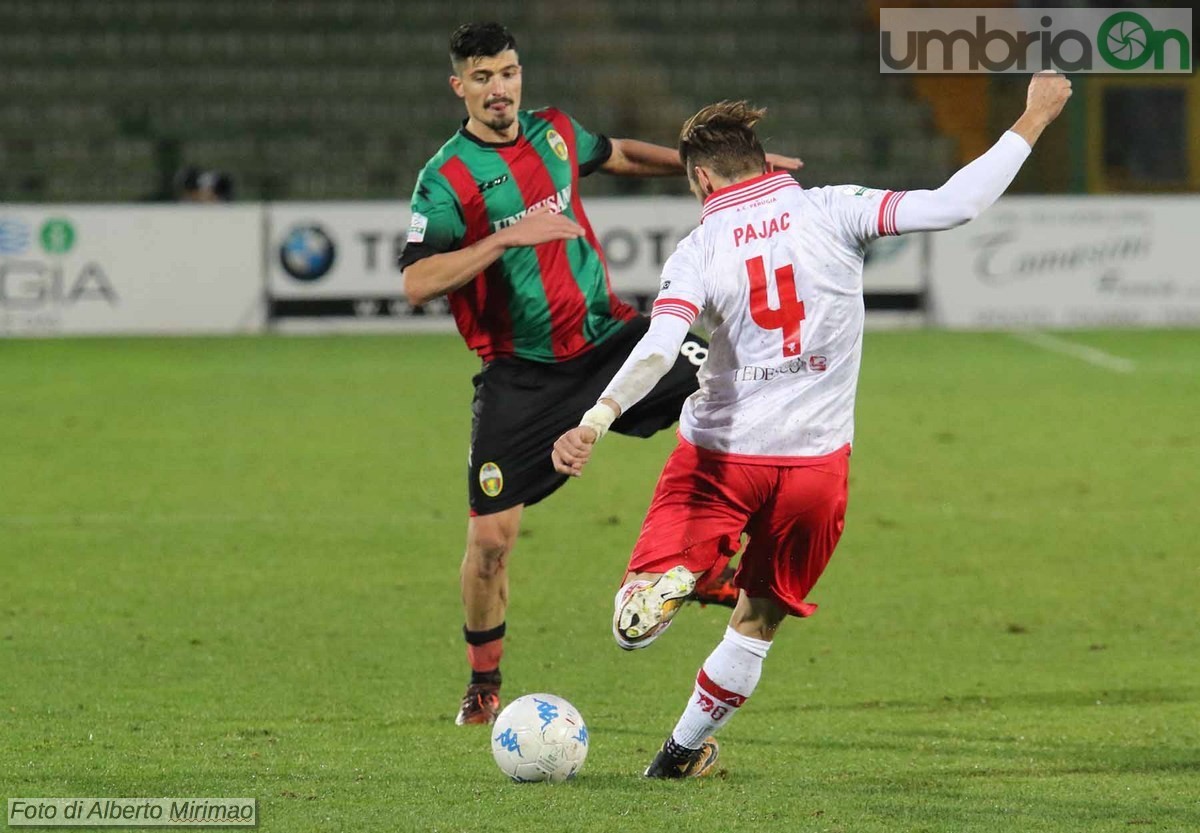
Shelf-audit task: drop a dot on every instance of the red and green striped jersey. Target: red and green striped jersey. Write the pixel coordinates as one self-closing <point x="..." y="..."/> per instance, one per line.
<point x="545" y="303"/>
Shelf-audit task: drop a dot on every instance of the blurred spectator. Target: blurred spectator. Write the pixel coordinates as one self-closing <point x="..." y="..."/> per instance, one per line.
<point x="198" y="185"/>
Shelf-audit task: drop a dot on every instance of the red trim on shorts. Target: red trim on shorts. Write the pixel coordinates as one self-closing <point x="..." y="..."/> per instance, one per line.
<point x="762" y="459"/>
<point x="729" y="698"/>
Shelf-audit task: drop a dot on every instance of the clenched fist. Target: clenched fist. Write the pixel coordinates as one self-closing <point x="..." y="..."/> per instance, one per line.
<point x="1047" y="95"/>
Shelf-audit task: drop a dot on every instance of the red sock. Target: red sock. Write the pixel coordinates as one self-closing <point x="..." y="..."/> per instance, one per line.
<point x="484" y="650"/>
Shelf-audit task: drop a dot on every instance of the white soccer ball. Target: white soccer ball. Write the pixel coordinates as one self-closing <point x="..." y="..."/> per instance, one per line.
<point x="539" y="737"/>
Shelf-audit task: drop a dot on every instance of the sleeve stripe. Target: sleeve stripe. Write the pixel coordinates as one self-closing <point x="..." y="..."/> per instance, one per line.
<point x="677" y="307"/>
<point x="686" y="318"/>
<point x="887" y="212"/>
<point x="892" y="214"/>
<point x="686" y="309"/>
<point x="677" y="302"/>
<point x="883" y="207"/>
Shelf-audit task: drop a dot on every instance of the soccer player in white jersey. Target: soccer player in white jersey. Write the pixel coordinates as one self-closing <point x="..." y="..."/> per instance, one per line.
<point x="764" y="448"/>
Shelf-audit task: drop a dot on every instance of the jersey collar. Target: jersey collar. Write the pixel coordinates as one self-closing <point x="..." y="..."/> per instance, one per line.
<point x="469" y="135"/>
<point x="746" y="190"/>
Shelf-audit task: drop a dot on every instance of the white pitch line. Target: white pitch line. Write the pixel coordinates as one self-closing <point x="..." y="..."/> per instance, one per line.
<point x="1091" y="355"/>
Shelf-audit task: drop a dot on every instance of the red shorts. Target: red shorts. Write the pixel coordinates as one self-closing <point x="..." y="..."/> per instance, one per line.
<point x="794" y="515"/>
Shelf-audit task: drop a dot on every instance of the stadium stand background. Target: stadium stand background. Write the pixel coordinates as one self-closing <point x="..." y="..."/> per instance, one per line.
<point x="346" y="99"/>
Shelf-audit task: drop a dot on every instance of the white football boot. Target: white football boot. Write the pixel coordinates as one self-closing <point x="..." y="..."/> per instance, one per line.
<point x="644" y="609"/>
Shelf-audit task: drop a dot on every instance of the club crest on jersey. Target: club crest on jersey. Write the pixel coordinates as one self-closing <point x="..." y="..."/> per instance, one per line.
<point x="491" y="479"/>
<point x="557" y="144"/>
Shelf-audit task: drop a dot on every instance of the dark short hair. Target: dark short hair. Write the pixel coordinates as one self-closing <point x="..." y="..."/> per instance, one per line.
<point x="198" y="179"/>
<point x="479" y="40"/>
<point x="721" y="136"/>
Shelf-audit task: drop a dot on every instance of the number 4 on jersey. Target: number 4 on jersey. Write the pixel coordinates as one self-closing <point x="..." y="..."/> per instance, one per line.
<point x="790" y="312"/>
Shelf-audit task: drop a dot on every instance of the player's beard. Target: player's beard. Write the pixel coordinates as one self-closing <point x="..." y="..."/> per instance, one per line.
<point x="500" y="121"/>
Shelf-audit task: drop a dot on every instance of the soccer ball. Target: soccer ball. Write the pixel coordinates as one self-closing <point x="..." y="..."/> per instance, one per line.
<point x="539" y="737"/>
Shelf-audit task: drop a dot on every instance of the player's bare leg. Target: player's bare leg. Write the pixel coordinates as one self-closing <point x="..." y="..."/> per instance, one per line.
<point x="723" y="684"/>
<point x="757" y="618"/>
<point x="646" y="604"/>
<point x="484" y="577"/>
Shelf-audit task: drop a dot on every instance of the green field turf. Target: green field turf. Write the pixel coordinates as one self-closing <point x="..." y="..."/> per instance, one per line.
<point x="229" y="568"/>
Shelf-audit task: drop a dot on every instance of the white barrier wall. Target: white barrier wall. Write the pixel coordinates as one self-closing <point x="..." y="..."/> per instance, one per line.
<point x="77" y="270"/>
<point x="1070" y="262"/>
<point x="638" y="235"/>
<point x="84" y="270"/>
<point x="338" y="260"/>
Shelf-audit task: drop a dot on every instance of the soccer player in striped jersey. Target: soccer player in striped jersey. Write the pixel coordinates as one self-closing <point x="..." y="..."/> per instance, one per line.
<point x="765" y="444"/>
<point x="498" y="226"/>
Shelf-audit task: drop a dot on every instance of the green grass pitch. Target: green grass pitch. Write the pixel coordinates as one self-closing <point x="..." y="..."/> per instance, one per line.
<point x="229" y="568"/>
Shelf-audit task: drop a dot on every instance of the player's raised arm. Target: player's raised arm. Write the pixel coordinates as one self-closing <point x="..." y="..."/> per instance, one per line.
<point x="869" y="214"/>
<point x="979" y="184"/>
<point x="633" y="158"/>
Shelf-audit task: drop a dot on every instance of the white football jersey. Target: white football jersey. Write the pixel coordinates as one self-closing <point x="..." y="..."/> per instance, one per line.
<point x="776" y="272"/>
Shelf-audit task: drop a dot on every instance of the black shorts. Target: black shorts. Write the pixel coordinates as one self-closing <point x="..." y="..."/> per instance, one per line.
<point x="522" y="407"/>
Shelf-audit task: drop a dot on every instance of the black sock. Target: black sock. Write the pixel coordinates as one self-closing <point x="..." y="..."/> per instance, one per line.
<point x="678" y="754"/>
<point x="484" y="637"/>
<point x="485" y="677"/>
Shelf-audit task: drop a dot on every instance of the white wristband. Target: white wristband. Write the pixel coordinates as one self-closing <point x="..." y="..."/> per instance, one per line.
<point x="599" y="417"/>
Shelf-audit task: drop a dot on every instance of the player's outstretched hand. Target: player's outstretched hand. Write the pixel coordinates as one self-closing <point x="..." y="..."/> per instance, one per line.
<point x="541" y="226"/>
<point x="1047" y="95"/>
<point x="775" y="162"/>
<point x="572" y="450"/>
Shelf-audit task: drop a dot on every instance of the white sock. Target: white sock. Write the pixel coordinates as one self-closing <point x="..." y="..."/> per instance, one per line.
<point x="725" y="682"/>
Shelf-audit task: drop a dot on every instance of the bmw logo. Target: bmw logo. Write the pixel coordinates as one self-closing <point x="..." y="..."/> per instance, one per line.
<point x="307" y="252"/>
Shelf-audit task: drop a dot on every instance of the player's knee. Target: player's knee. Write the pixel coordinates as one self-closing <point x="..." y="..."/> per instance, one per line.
<point x="486" y="562"/>
<point x="487" y="551"/>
